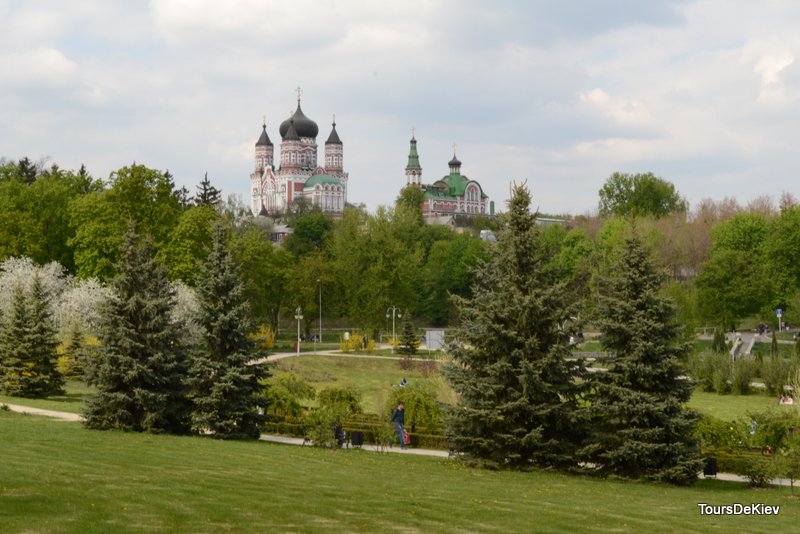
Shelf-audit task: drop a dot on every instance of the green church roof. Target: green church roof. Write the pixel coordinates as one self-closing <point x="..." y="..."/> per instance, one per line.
<point x="322" y="179"/>
<point x="413" y="157"/>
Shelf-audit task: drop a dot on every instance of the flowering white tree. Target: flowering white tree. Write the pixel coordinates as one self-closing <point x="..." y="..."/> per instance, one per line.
<point x="21" y="272"/>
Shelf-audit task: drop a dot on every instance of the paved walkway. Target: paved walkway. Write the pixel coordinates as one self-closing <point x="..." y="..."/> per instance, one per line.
<point x="67" y="416"/>
<point x="63" y="416"/>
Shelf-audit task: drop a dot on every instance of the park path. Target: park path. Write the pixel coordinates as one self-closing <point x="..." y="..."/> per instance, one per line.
<point x="67" y="416"/>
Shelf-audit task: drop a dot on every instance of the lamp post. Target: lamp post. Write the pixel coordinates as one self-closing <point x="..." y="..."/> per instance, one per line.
<point x="319" y="337"/>
<point x="395" y="312"/>
<point x="298" y="314"/>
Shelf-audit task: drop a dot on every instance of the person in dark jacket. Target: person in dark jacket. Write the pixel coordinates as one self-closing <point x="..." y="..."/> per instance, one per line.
<point x="399" y="419"/>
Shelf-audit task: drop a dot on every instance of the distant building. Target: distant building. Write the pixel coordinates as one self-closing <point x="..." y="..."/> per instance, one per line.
<point x="274" y="187"/>
<point x="453" y="194"/>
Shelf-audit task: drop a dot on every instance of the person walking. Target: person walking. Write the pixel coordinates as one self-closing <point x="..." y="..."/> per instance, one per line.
<point x="399" y="420"/>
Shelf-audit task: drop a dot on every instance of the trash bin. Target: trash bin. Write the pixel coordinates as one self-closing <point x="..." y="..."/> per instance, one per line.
<point x="357" y="438"/>
<point x="710" y="469"/>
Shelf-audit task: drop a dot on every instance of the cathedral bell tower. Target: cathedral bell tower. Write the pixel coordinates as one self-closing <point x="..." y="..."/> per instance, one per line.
<point x="413" y="169"/>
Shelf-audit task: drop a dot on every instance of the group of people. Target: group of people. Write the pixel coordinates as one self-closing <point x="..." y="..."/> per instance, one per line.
<point x="786" y="399"/>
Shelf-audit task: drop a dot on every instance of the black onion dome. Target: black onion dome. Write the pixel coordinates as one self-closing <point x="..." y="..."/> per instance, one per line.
<point x="264" y="139"/>
<point x="291" y="132"/>
<point x="455" y="162"/>
<point x="333" y="138"/>
<point x="304" y="126"/>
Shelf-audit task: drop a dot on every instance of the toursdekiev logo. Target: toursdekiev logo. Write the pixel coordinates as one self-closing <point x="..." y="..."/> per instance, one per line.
<point x="738" y="509"/>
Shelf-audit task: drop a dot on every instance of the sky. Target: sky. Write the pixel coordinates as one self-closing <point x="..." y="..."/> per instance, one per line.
<point x="555" y="93"/>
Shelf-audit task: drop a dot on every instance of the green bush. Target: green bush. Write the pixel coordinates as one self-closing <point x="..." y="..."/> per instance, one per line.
<point x="743" y="373"/>
<point x="775" y="373"/>
<point x="423" y="414"/>
<point x="340" y="402"/>
<point x="758" y="469"/>
<point x="701" y="368"/>
<point x="722" y="374"/>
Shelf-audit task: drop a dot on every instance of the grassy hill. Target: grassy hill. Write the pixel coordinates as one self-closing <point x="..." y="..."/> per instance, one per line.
<point x="57" y="477"/>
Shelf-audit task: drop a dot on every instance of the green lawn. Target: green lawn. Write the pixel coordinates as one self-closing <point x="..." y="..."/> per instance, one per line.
<point x="372" y="377"/>
<point x="72" y="401"/>
<point x="60" y="478"/>
<point x="734" y="406"/>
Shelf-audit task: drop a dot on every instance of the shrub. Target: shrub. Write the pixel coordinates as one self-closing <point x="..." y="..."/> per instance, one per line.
<point x="721" y="376"/>
<point x="264" y="337"/>
<point x="285" y="394"/>
<point x="718" y="343"/>
<point x="775" y="372"/>
<point x="759" y="470"/>
<point x="341" y="402"/>
<point x="422" y="410"/>
<point x="743" y="373"/>
<point x="356" y="343"/>
<point x="701" y="368"/>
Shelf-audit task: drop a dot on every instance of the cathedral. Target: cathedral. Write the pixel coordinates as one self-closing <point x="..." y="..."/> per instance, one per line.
<point x="298" y="175"/>
<point x="453" y="194"/>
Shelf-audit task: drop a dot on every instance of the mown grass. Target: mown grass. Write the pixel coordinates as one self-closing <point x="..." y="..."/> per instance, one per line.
<point x="61" y="478"/>
<point x="374" y="378"/>
<point x="734" y="406"/>
<point x="71" y="401"/>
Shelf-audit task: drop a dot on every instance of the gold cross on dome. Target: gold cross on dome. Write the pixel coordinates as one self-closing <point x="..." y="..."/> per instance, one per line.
<point x="454" y="148"/>
<point x="299" y="94"/>
<point x="413" y="131"/>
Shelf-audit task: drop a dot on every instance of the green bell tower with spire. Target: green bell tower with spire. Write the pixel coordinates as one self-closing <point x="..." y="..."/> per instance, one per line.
<point x="413" y="169"/>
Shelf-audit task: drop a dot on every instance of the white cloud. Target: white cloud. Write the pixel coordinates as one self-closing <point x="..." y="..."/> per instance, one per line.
<point x="43" y="66"/>
<point x="703" y="93"/>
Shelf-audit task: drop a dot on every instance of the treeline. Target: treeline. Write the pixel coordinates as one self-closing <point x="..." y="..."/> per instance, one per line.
<point x="727" y="262"/>
<point x="362" y="264"/>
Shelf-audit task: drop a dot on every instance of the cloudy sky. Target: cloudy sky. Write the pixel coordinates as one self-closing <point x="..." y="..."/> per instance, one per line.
<point x="560" y="93"/>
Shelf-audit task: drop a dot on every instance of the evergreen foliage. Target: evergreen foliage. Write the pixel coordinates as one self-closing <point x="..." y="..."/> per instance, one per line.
<point x="641" y="427"/>
<point x="207" y="194"/>
<point x="28" y="345"/>
<point x="408" y="338"/>
<point x="517" y="387"/>
<point x="227" y="389"/>
<point x="140" y="370"/>
<point x="45" y="379"/>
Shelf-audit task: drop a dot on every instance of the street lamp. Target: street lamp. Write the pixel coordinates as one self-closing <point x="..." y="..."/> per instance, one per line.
<point x="319" y="337"/>
<point x="298" y="314"/>
<point x="395" y="312"/>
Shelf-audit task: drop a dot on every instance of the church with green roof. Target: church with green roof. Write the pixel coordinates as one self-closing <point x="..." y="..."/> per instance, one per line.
<point x="453" y="194"/>
<point x="275" y="185"/>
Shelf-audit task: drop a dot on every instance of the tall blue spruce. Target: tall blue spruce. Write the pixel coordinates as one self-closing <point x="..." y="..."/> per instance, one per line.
<point x="140" y="370"/>
<point x="226" y="383"/>
<point x="512" y="369"/>
<point x="641" y="426"/>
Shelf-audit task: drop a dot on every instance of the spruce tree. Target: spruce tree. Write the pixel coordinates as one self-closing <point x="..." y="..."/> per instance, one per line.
<point x="45" y="379"/>
<point x="140" y="370"/>
<point x="28" y="345"/>
<point x="15" y="345"/>
<point x="408" y="338"/>
<point x="641" y="427"/>
<point x="226" y="384"/>
<point x="207" y="193"/>
<point x="517" y="386"/>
